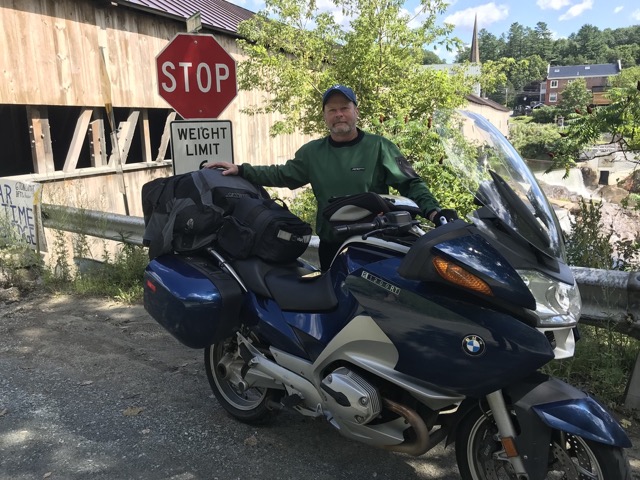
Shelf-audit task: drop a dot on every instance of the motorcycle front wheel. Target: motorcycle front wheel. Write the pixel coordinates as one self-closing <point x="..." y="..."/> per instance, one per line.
<point x="570" y="457"/>
<point x="250" y="405"/>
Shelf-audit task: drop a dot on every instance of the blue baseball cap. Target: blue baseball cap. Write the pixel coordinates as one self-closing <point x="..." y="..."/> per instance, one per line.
<point x="346" y="91"/>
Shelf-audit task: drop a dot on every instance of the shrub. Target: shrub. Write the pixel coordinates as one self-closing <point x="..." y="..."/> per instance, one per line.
<point x="544" y="114"/>
<point x="604" y="358"/>
<point x="533" y="140"/>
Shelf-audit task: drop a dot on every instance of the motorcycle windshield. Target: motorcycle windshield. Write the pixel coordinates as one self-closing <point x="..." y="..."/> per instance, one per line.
<point x="491" y="169"/>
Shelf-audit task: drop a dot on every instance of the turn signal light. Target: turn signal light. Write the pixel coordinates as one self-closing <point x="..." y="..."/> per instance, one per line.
<point x="458" y="275"/>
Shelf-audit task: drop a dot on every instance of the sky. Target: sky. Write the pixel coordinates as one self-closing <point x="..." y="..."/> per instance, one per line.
<point x="563" y="17"/>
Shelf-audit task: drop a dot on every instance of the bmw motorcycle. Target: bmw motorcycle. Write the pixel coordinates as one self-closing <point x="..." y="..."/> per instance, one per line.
<point x="412" y="337"/>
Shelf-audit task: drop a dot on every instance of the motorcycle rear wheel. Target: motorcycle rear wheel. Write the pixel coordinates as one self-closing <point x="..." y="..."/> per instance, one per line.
<point x="570" y="457"/>
<point x="250" y="406"/>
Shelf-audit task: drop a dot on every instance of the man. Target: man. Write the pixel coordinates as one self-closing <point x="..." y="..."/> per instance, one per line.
<point x="346" y="162"/>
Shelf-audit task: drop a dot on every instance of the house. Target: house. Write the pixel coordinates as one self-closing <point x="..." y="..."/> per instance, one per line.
<point x="596" y="76"/>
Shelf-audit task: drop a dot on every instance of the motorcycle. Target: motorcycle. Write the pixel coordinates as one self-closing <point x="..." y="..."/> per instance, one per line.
<point x="413" y="337"/>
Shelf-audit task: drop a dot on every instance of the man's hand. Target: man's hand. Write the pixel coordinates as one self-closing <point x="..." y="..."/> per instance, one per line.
<point x="229" y="168"/>
<point x="444" y="216"/>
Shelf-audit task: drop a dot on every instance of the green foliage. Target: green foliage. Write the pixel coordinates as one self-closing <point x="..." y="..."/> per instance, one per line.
<point x="534" y="140"/>
<point x="20" y="266"/>
<point x="604" y="358"/>
<point x="544" y="114"/>
<point x="587" y="46"/>
<point x="575" y="96"/>
<point x="589" y="244"/>
<point x="116" y="276"/>
<point x="305" y="206"/>
<point x="431" y="58"/>
<point x="602" y="364"/>
<point x="120" y="278"/>
<point x="619" y="120"/>
<point x="294" y="52"/>
<point x="507" y="74"/>
<point x="422" y="145"/>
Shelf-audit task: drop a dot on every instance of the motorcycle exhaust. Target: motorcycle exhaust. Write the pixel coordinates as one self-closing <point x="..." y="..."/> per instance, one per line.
<point x="422" y="443"/>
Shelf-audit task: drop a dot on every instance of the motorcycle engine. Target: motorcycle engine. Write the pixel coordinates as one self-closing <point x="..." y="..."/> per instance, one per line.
<point x="351" y="397"/>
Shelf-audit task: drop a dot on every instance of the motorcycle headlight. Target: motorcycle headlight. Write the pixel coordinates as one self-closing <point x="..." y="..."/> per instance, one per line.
<point x="557" y="303"/>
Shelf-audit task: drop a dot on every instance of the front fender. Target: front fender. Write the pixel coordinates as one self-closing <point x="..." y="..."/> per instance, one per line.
<point x="561" y="406"/>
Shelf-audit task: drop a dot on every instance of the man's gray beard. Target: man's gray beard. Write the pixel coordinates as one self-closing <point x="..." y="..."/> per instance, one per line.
<point x="342" y="129"/>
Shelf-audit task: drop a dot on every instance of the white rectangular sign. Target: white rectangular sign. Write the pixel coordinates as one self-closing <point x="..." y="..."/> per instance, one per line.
<point x="196" y="142"/>
<point x="17" y="211"/>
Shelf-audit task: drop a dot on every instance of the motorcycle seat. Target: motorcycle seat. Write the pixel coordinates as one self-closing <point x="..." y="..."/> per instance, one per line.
<point x="293" y="286"/>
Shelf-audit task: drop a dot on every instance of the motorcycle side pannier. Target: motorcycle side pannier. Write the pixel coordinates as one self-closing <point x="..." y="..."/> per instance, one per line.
<point x="194" y="300"/>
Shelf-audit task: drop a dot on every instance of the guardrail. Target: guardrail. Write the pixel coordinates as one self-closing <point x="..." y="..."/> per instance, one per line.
<point x="608" y="297"/>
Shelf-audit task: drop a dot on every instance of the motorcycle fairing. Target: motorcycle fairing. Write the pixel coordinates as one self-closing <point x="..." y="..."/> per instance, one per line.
<point x="543" y="404"/>
<point x="427" y="325"/>
<point x="363" y="344"/>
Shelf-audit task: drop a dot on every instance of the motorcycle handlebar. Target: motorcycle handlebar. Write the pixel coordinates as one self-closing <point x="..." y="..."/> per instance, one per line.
<point x="357" y="228"/>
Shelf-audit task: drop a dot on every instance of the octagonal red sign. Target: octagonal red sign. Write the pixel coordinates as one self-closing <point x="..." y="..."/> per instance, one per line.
<point x="196" y="76"/>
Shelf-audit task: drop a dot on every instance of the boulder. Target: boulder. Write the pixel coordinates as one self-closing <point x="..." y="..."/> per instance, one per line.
<point x="631" y="183"/>
<point x="613" y="194"/>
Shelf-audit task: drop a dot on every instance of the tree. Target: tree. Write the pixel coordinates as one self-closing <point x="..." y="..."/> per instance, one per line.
<point x="575" y="98"/>
<point x="490" y="46"/>
<point x="430" y="58"/>
<point x="518" y="44"/>
<point x="591" y="44"/>
<point x="509" y="74"/>
<point x="619" y="121"/>
<point x="527" y="70"/>
<point x="629" y="55"/>
<point x="294" y="52"/>
<point x="542" y="42"/>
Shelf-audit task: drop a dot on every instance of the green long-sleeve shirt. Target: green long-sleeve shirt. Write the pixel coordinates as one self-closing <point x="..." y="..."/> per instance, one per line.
<point x="370" y="163"/>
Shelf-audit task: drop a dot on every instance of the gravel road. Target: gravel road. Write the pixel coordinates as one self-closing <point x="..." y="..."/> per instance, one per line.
<point x="92" y="389"/>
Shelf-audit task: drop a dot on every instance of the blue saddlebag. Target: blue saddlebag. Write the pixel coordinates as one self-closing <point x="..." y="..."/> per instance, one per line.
<point x="192" y="299"/>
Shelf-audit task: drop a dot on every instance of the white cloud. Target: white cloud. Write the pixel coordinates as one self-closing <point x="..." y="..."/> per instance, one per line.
<point x="487" y="14"/>
<point x="618" y="9"/>
<point x="553" y="4"/>
<point x="636" y="15"/>
<point x="577" y="10"/>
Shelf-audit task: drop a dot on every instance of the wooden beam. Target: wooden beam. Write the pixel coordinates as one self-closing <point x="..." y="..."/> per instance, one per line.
<point x="126" y="131"/>
<point x="145" y="136"/>
<point x="79" y="134"/>
<point x="98" y="145"/>
<point x="166" y="136"/>
<point x="41" y="149"/>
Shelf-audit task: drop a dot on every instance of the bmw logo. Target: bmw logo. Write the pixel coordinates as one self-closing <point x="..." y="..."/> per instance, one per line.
<point x="473" y="345"/>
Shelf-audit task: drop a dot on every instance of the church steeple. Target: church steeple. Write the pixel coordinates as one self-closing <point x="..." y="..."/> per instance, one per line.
<point x="474" y="57"/>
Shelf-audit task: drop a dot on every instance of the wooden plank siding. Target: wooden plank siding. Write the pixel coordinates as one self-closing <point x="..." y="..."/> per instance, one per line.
<point x="50" y="57"/>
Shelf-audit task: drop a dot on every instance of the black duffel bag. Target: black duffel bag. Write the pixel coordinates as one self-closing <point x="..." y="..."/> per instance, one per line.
<point x="264" y="228"/>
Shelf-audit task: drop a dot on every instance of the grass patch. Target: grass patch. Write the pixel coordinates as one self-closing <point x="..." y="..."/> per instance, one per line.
<point x="119" y="277"/>
<point x="602" y="365"/>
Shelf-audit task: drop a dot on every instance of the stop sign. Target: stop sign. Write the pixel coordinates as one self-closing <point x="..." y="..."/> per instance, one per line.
<point x="196" y="76"/>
